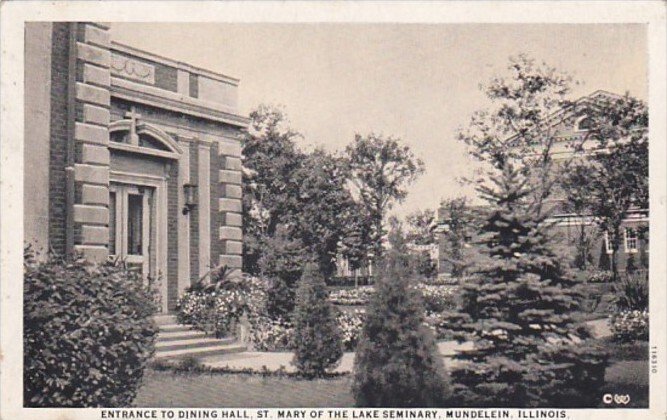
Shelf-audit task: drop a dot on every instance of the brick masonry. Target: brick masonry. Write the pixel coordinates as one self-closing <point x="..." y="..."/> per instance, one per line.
<point x="58" y="155"/>
<point x="173" y="213"/>
<point x="194" y="216"/>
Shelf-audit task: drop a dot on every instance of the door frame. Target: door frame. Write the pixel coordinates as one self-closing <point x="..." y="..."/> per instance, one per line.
<point x="160" y="205"/>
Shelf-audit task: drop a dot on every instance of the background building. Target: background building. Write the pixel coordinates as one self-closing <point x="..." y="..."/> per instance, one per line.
<point x="567" y="132"/>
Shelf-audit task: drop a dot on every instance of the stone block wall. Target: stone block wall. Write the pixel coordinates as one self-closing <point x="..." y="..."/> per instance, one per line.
<point x="90" y="170"/>
<point x="229" y="204"/>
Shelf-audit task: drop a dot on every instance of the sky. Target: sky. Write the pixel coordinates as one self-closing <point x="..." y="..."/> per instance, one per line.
<point x="418" y="82"/>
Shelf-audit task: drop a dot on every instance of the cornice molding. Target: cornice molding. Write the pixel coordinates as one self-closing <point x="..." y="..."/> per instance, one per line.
<point x="147" y="95"/>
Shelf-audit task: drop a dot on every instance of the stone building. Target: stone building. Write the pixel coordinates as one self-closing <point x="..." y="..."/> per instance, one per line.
<point x="130" y="155"/>
<point x="567" y="131"/>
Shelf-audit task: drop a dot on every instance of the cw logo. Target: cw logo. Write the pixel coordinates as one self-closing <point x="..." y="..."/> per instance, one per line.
<point x="616" y="398"/>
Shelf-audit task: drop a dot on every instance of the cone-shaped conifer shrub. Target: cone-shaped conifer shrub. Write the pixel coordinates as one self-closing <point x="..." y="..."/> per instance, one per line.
<point x="318" y="341"/>
<point x="397" y="362"/>
<point x="528" y="350"/>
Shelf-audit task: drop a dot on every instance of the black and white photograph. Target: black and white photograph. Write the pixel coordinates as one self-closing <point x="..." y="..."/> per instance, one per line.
<point x="344" y="217"/>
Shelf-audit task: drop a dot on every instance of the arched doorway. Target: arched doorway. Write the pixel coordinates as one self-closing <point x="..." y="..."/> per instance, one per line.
<point x="142" y="162"/>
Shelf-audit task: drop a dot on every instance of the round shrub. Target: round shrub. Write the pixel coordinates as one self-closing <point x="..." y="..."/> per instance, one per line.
<point x="317" y="339"/>
<point x="88" y="333"/>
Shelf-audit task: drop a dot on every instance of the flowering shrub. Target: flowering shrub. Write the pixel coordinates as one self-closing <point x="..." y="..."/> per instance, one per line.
<point x="268" y="334"/>
<point x="350" y="324"/>
<point x="217" y="310"/>
<point x="630" y="325"/>
<point x="600" y="276"/>
<point x="353" y="297"/>
<point x="437" y="299"/>
<point x="211" y="312"/>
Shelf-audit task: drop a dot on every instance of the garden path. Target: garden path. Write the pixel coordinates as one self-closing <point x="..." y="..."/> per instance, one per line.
<point x="274" y="361"/>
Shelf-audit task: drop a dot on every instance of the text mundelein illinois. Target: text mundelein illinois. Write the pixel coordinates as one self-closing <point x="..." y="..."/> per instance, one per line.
<point x="505" y="414"/>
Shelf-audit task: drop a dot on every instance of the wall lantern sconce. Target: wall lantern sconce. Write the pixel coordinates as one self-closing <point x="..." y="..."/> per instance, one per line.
<point x="190" y="193"/>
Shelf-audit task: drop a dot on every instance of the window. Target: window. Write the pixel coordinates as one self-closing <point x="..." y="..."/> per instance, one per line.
<point x="630" y="240"/>
<point x="607" y="243"/>
<point x="112" y="223"/>
<point x="135" y="214"/>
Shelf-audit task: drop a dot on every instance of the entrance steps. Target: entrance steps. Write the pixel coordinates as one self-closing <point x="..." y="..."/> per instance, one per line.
<point x="176" y="341"/>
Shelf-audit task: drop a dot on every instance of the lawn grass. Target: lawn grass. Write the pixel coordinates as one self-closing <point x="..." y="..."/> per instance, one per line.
<point x="628" y="371"/>
<point x="202" y="390"/>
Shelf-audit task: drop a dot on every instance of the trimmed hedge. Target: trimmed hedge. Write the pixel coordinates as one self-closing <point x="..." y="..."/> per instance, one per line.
<point x="88" y="333"/>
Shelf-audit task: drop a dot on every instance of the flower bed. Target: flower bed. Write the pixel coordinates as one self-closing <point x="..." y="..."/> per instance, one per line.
<point x="437" y="298"/>
<point x="352" y="297"/>
<point x="599" y="276"/>
<point x="278" y="335"/>
<point x="218" y="311"/>
<point x="630" y="325"/>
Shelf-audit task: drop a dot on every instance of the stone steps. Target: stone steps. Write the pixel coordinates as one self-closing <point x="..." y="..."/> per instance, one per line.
<point x="191" y="343"/>
<point x="175" y="341"/>
<point x="211" y="350"/>
<point x="180" y="335"/>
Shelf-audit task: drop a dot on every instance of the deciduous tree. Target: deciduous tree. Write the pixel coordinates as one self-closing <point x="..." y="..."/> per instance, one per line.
<point x="381" y="168"/>
<point x="615" y="165"/>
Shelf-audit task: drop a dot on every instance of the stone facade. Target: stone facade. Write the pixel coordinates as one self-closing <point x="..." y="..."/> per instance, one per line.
<point x="114" y="137"/>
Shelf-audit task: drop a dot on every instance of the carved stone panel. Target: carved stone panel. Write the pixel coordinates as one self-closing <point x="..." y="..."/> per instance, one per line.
<point x="132" y="69"/>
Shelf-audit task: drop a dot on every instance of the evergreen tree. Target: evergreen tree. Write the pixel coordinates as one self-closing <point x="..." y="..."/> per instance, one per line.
<point x="397" y="363"/>
<point x="517" y="311"/>
<point x="318" y="340"/>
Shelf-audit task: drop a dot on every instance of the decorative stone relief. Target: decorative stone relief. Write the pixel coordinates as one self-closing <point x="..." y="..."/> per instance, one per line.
<point x="132" y="69"/>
